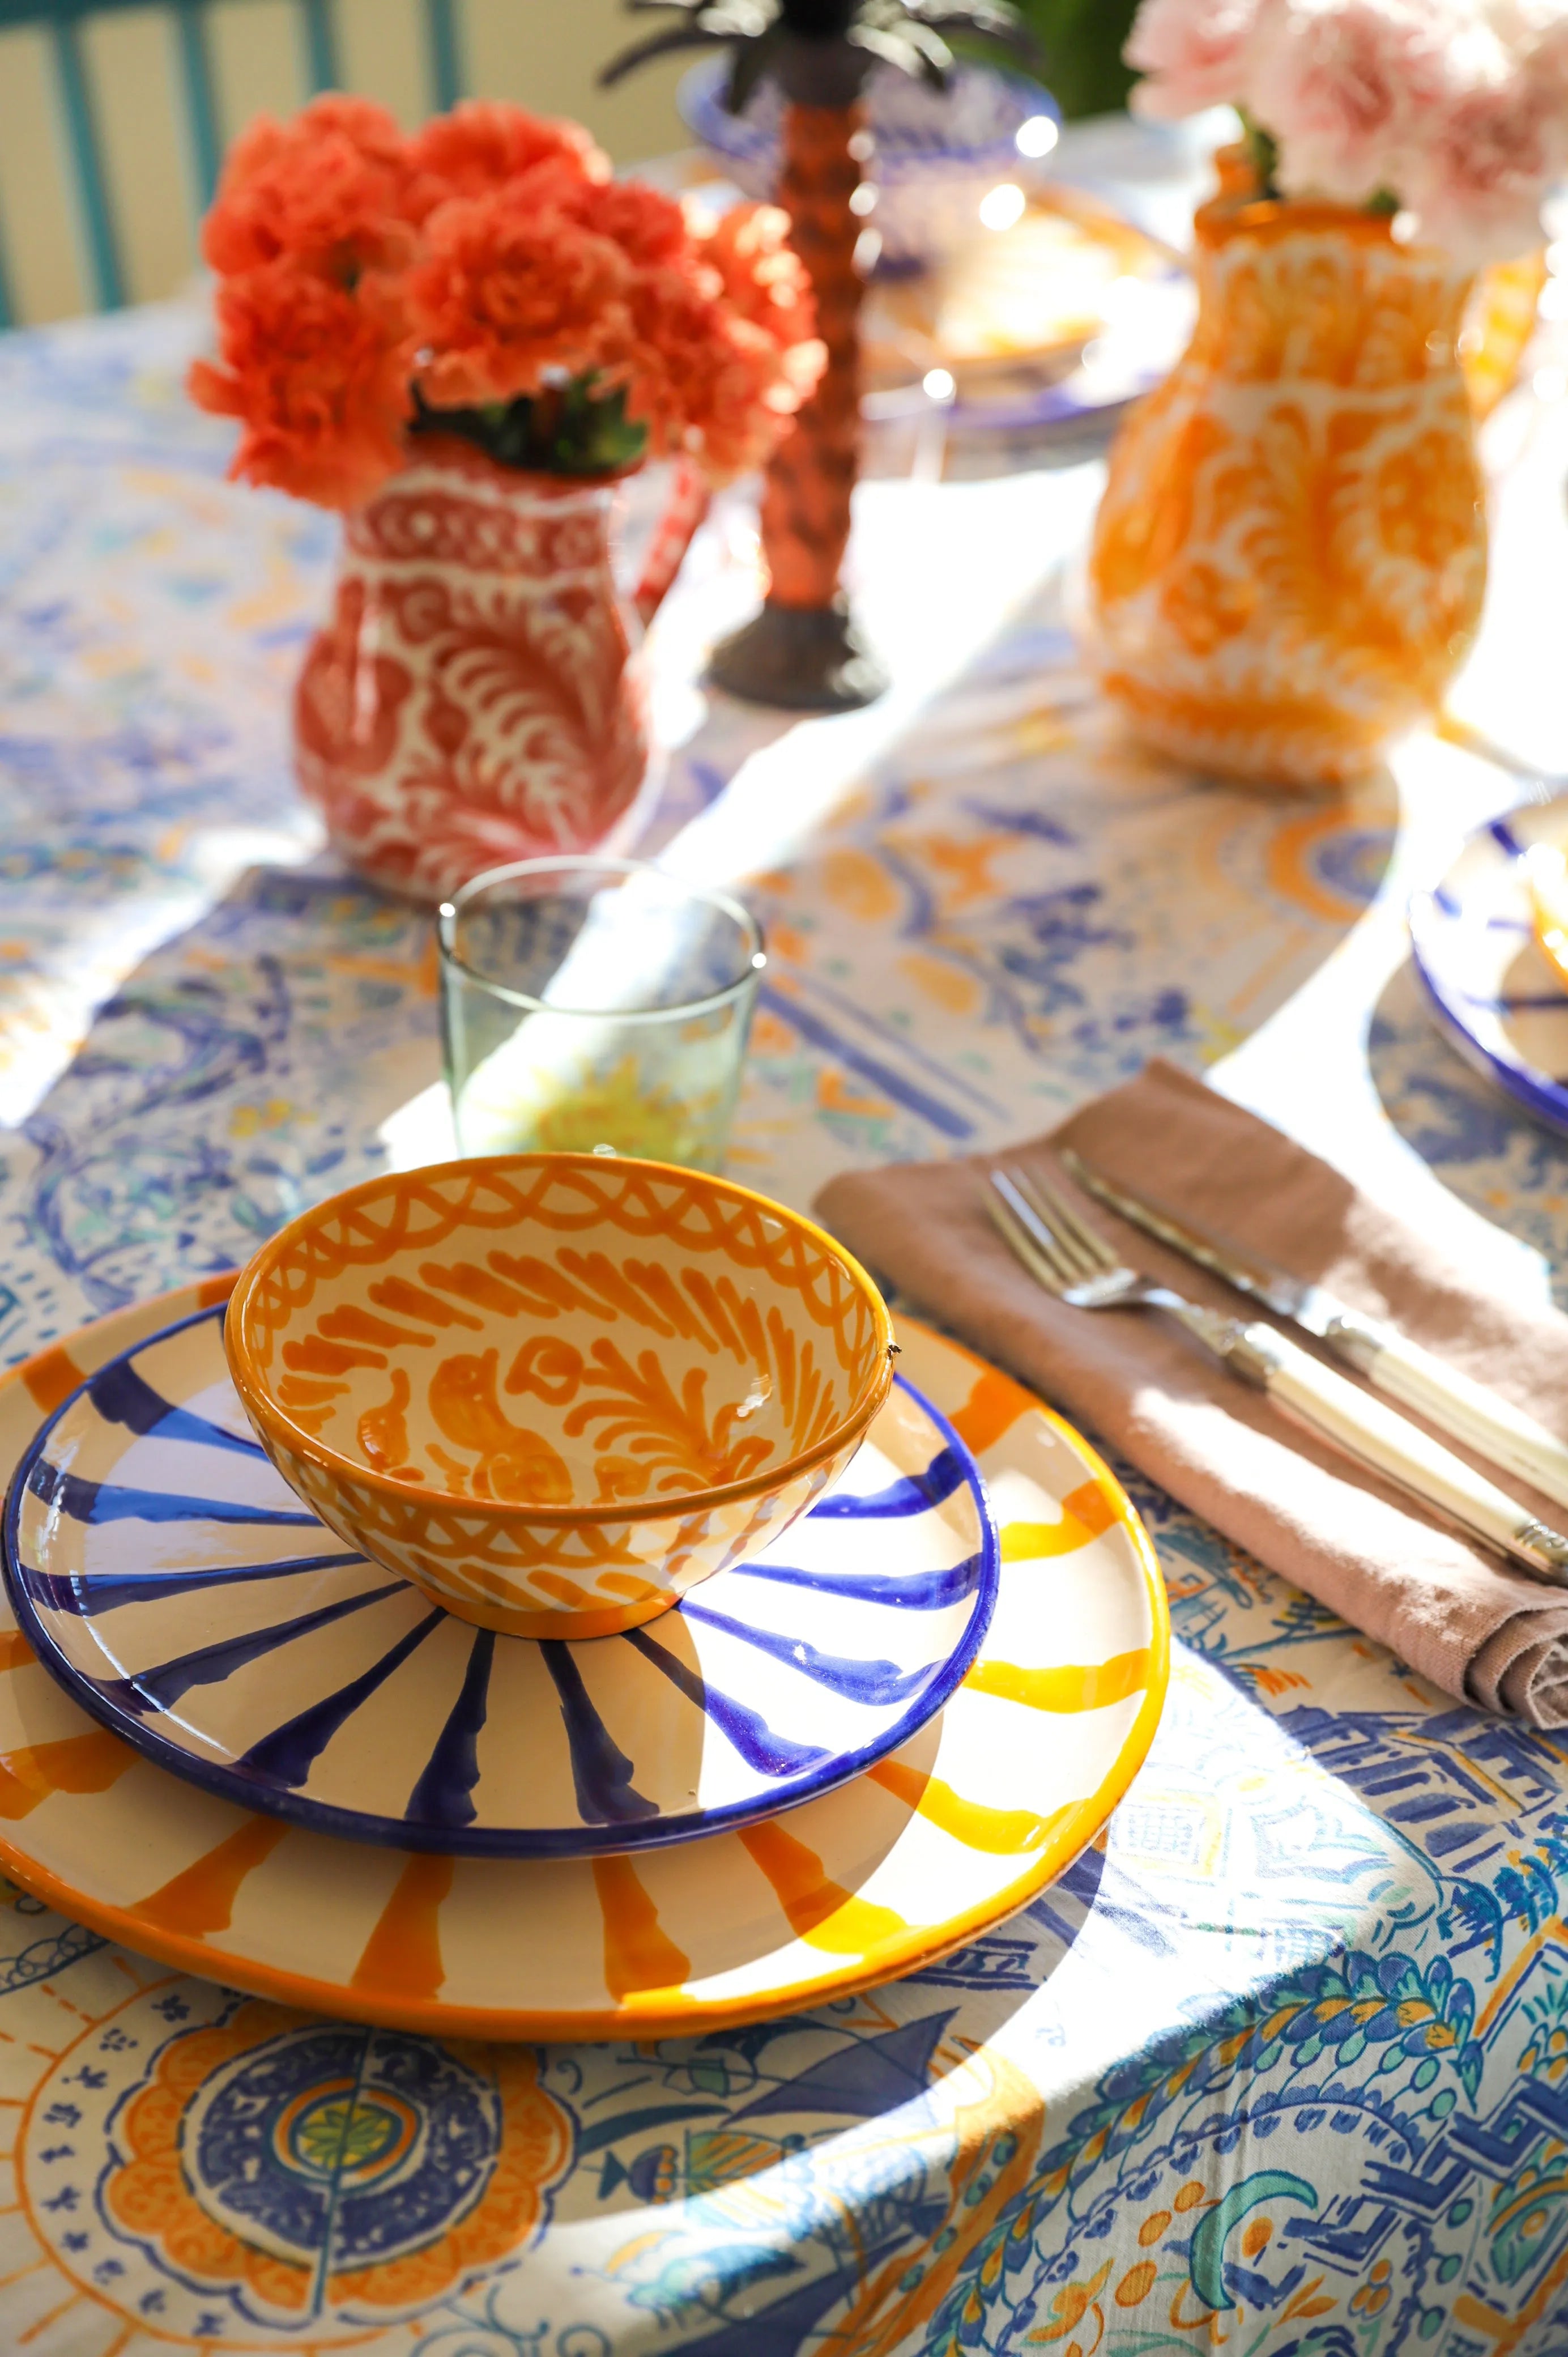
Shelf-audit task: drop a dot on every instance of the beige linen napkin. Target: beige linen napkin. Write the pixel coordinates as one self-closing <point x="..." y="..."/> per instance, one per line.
<point x="1457" y="1615"/>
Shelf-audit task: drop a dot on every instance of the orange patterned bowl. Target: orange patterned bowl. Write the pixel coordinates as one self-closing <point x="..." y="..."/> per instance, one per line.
<point x="557" y="1389"/>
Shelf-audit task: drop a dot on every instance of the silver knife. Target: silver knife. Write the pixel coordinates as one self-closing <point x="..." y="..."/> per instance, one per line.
<point x="1452" y="1400"/>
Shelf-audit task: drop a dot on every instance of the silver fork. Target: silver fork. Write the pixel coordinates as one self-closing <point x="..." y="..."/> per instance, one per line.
<point x="1072" y="1260"/>
<point x="1068" y="1255"/>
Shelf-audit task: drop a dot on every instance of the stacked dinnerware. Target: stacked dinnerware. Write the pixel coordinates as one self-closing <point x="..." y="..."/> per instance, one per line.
<point x="537" y="1569"/>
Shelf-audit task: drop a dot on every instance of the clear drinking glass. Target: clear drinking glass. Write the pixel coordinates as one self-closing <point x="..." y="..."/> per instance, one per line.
<point x="595" y="1002"/>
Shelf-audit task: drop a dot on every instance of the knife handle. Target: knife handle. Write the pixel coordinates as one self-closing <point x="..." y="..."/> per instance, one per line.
<point x="1378" y="1438"/>
<point x="1455" y="1403"/>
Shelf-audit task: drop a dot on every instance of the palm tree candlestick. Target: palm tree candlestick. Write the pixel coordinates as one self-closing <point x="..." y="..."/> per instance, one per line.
<point x="803" y="650"/>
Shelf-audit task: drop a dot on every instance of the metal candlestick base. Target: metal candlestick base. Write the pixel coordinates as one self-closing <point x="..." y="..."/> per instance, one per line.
<point x="801" y="658"/>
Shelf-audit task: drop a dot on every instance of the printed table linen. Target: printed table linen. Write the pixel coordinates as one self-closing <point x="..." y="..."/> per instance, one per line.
<point x="1282" y="2064"/>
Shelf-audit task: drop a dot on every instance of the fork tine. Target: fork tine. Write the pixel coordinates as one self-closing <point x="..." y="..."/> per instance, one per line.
<point x="1063" y="1217"/>
<point x="1062" y="1258"/>
<point x="1041" y="1218"/>
<point x="1019" y="1244"/>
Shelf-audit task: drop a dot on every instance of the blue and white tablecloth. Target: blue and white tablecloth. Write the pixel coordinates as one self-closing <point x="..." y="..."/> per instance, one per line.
<point x="1282" y="2065"/>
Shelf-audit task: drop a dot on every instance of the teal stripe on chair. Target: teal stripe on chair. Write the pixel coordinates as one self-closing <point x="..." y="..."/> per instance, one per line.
<point x="87" y="160"/>
<point x="200" y="107"/>
<point x="321" y="47"/>
<point x="191" y="58"/>
<point x="445" y="59"/>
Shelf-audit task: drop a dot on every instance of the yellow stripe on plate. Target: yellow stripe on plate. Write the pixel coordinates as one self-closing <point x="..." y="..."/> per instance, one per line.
<point x="640" y="1958"/>
<point x="1000" y="1833"/>
<point x="77" y="1763"/>
<point x="1069" y="1686"/>
<point x="818" y="1909"/>
<point x="403" y="1955"/>
<point x="51" y="1378"/>
<point x="993" y="1407"/>
<point x="1086" y="1513"/>
<point x="201" y="1900"/>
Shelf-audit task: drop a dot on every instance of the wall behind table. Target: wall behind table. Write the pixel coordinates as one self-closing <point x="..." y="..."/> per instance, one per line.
<point x="543" y="53"/>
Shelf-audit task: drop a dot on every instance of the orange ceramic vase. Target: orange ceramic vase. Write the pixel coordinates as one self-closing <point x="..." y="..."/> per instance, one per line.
<point x="1290" y="556"/>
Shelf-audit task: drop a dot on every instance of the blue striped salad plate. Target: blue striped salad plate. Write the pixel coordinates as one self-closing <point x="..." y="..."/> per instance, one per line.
<point x="1495" y="995"/>
<point x="185" y="1596"/>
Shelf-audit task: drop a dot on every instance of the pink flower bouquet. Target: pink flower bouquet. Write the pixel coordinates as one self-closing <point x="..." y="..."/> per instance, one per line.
<point x="1453" y="111"/>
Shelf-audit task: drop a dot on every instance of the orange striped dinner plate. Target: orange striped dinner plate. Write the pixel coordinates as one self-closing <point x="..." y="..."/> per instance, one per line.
<point x="990" y="1802"/>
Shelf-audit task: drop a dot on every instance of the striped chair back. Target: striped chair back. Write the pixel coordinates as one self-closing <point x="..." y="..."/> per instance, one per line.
<point x="189" y="29"/>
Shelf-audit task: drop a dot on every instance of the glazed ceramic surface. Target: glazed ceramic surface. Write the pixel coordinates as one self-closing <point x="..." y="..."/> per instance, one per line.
<point x="1289" y="559"/>
<point x="169" y="1578"/>
<point x="1546" y="880"/>
<point x="959" y="1827"/>
<point x="474" y="697"/>
<point x="1495" y="993"/>
<point x="556" y="1391"/>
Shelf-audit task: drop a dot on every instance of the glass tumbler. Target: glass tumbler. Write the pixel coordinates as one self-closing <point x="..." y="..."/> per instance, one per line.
<point x="595" y="1004"/>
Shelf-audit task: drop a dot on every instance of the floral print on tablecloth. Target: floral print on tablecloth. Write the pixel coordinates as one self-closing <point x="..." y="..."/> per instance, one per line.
<point x="1281" y="2065"/>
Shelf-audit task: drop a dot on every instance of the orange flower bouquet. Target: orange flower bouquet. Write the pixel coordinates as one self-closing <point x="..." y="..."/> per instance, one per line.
<point x="462" y="340"/>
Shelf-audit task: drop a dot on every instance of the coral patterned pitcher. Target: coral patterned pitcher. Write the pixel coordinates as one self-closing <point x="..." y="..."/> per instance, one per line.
<point x="1290" y="557"/>
<point x="476" y="697"/>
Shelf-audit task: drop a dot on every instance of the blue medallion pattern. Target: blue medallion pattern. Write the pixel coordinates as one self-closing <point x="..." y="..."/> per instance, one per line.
<point x="322" y="2132"/>
<point x="260" y="2169"/>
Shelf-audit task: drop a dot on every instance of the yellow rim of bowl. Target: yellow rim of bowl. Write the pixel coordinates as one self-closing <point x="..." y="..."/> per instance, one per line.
<point x="260" y="1407"/>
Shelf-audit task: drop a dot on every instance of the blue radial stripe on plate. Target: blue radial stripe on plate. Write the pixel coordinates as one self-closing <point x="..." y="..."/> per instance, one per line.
<point x="601" y="1771"/>
<point x="912" y="1494"/>
<point x="855" y="1681"/>
<point x="910" y="1591"/>
<point x="156" y="1689"/>
<point x="444" y="1793"/>
<point x="88" y="1593"/>
<point x="123" y="1396"/>
<point x="287" y="1755"/>
<point x="758" y="1745"/>
<point x="106" y="1501"/>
